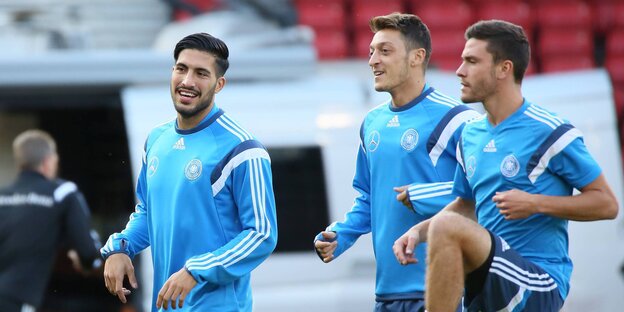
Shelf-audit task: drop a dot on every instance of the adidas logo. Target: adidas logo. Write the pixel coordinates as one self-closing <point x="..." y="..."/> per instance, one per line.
<point x="179" y="145"/>
<point x="490" y="147"/>
<point x="504" y="245"/>
<point x="394" y="122"/>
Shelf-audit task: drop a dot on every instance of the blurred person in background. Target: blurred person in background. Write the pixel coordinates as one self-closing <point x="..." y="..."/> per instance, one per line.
<point x="407" y="146"/>
<point x="38" y="213"/>
<point x="503" y="243"/>
<point x="205" y="197"/>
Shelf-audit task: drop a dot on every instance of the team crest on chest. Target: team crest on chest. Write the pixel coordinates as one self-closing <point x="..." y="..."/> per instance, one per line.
<point x="152" y="166"/>
<point x="373" y="141"/>
<point x="510" y="166"/>
<point x="409" y="139"/>
<point x="193" y="169"/>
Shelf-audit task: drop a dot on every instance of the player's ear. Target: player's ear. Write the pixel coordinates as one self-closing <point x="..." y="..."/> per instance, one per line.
<point x="504" y="69"/>
<point x="220" y="84"/>
<point x="417" y="57"/>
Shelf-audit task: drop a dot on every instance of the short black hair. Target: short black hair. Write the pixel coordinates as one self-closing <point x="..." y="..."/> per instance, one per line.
<point x="412" y="28"/>
<point x="206" y="43"/>
<point x="506" y="41"/>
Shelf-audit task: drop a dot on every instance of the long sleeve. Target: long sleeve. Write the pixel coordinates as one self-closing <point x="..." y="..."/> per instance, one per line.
<point x="358" y="220"/>
<point x="429" y="198"/>
<point x="77" y="224"/>
<point x="251" y="187"/>
<point x="135" y="237"/>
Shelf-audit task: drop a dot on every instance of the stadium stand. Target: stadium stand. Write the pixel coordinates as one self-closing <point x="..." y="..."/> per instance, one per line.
<point x="564" y="35"/>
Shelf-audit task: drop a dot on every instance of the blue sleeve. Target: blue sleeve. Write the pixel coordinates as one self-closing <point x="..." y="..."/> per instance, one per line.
<point x="358" y="220"/>
<point x="564" y="154"/>
<point x="461" y="187"/>
<point x="135" y="237"/>
<point x="575" y="165"/>
<point x="445" y="135"/>
<point x="429" y="198"/>
<point x="252" y="191"/>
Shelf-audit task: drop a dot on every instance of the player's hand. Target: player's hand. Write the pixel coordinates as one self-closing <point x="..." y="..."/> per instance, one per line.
<point x="327" y="246"/>
<point x="116" y="267"/>
<point x="403" y="196"/>
<point x="75" y="261"/>
<point x="515" y="204"/>
<point x="404" y="247"/>
<point x="178" y="285"/>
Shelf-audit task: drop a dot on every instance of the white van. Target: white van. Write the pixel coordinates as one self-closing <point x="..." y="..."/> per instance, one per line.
<point x="310" y="127"/>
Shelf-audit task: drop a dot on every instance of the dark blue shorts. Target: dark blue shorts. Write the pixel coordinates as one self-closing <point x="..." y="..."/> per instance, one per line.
<point x="400" y="306"/>
<point x="508" y="282"/>
<point x="412" y="302"/>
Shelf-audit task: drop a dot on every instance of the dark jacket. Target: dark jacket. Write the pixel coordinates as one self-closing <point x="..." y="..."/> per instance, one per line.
<point x="36" y="216"/>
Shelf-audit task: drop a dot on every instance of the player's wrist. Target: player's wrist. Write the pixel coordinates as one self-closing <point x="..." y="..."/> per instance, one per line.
<point x="535" y="200"/>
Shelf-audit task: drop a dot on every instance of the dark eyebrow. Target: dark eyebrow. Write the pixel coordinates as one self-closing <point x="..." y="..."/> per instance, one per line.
<point x="203" y="69"/>
<point x="469" y="57"/>
<point x="198" y="68"/>
<point x="382" y="44"/>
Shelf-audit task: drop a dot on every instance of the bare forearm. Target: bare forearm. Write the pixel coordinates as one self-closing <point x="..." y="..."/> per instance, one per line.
<point x="596" y="202"/>
<point x="588" y="206"/>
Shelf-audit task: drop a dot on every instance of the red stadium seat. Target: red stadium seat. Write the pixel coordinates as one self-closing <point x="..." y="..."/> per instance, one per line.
<point x="615" y="66"/>
<point x="481" y="2"/>
<point x="615" y="42"/>
<point x="531" y="69"/>
<point x="454" y="14"/>
<point x="321" y="13"/>
<point x="361" y="48"/>
<point x="618" y="98"/>
<point x="516" y="12"/>
<point x="331" y="44"/>
<point x="558" y="63"/>
<point x="565" y="42"/>
<point x="602" y="15"/>
<point x="618" y="14"/>
<point x="564" y="14"/>
<point x="201" y="5"/>
<point x="446" y="43"/>
<point x="445" y="62"/>
<point x="364" y="10"/>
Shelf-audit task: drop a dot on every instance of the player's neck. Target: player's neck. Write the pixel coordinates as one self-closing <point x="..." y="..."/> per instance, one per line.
<point x="501" y="105"/>
<point x="407" y="91"/>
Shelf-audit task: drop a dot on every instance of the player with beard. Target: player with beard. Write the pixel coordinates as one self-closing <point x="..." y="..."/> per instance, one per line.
<point x="205" y="197"/>
<point x="407" y="146"/>
<point x="504" y="241"/>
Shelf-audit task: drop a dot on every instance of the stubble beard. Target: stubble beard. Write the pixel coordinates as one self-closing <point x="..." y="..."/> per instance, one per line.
<point x="189" y="112"/>
<point x="392" y="84"/>
<point x="480" y="91"/>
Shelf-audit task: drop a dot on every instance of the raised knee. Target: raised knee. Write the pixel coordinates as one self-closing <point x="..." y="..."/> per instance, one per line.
<point x="446" y="225"/>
